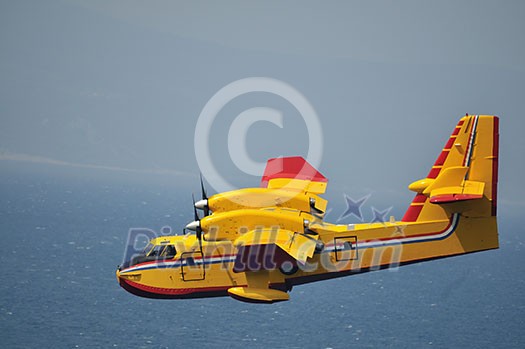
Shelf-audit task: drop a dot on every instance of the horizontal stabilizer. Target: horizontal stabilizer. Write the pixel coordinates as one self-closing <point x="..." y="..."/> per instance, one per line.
<point x="449" y="179"/>
<point x="465" y="173"/>
<point x="450" y="186"/>
<point x="447" y="198"/>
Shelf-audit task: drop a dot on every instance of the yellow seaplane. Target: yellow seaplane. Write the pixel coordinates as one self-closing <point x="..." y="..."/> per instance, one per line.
<point x="255" y="244"/>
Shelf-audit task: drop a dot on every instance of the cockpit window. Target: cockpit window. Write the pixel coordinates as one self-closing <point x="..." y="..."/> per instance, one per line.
<point x="152" y="253"/>
<point x="147" y="249"/>
<point x="165" y="251"/>
<point x="157" y="250"/>
<point x="169" y="252"/>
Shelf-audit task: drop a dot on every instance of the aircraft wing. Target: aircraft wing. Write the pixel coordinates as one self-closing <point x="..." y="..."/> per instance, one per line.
<point x="271" y="247"/>
<point x="259" y="252"/>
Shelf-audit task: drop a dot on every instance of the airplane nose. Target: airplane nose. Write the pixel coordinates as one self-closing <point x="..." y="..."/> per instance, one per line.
<point x="193" y="225"/>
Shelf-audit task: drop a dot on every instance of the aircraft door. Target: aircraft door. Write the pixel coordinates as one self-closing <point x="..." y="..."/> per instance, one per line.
<point x="346" y="248"/>
<point x="192" y="266"/>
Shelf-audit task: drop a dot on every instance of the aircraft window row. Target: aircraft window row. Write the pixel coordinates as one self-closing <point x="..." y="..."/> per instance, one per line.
<point x="152" y="253"/>
<point x="147" y="249"/>
<point x="166" y="251"/>
<point x="169" y="251"/>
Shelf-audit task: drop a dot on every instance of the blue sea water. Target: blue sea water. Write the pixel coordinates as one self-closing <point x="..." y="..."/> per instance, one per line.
<point x="62" y="238"/>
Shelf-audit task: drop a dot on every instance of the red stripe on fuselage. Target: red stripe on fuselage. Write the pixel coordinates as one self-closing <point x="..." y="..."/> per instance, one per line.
<point x="158" y="292"/>
<point x="184" y="293"/>
<point x="163" y="261"/>
<point x="411" y="236"/>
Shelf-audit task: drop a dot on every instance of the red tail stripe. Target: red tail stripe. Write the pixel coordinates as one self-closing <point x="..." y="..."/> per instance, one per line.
<point x="495" y="152"/>
<point x="442" y="157"/>
<point x="450" y="143"/>
<point x="419" y="199"/>
<point x="433" y="173"/>
<point x="412" y="213"/>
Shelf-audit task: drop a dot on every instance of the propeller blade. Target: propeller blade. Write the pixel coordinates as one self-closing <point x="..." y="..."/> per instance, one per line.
<point x="203" y="191"/>
<point x="204" y="196"/>
<point x="195" y="214"/>
<point x="198" y="229"/>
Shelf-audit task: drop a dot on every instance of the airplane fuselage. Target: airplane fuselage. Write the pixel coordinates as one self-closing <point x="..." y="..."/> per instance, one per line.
<point x="363" y="248"/>
<point x="255" y="244"/>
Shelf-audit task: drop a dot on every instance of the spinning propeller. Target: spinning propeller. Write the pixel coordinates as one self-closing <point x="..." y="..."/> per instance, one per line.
<point x="203" y="203"/>
<point x="196" y="224"/>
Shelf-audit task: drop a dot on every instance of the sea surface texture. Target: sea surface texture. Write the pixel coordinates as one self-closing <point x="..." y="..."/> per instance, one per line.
<point x="63" y="237"/>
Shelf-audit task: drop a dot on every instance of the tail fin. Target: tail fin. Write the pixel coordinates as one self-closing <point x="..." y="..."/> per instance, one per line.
<point x="464" y="177"/>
